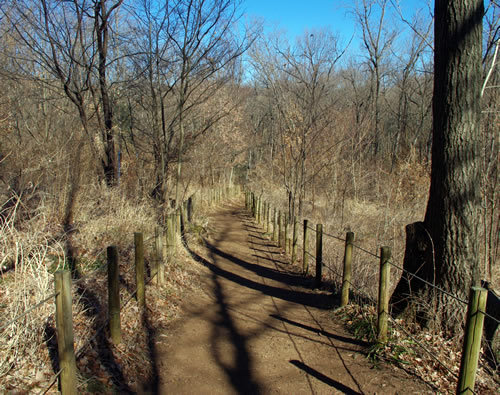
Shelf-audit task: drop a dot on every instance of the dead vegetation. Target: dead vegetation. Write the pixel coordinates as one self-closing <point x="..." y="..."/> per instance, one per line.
<point x="33" y="250"/>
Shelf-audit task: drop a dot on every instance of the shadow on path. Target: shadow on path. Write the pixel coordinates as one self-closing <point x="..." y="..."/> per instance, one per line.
<point x="325" y="379"/>
<point x="321" y="331"/>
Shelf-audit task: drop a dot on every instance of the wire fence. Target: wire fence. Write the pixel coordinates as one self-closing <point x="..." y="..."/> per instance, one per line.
<point x="413" y="275"/>
<point x="26" y="312"/>
<point x="383" y="261"/>
<point x="187" y="206"/>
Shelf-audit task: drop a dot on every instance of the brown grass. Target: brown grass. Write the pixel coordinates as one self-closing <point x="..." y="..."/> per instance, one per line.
<point x="33" y="248"/>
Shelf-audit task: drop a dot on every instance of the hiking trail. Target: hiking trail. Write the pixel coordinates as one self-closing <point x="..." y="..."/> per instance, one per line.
<point x="259" y="327"/>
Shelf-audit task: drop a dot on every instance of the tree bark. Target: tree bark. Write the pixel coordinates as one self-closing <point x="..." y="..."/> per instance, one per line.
<point x="446" y="242"/>
<point x="109" y="161"/>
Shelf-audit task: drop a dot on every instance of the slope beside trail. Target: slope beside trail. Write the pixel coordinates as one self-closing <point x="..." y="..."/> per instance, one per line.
<point x="258" y="327"/>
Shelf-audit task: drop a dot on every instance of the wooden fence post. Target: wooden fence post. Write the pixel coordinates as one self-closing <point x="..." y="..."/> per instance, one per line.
<point x="287" y="250"/>
<point x="305" y="256"/>
<point x="383" y="294"/>
<point x="64" y="327"/>
<point x="280" y="230"/>
<point x="114" y="295"/>
<point x="155" y="264"/>
<point x="268" y="226"/>
<point x="259" y="204"/>
<point x="190" y="207"/>
<point x="294" y="240"/>
<point x="139" y="268"/>
<point x="163" y="256"/>
<point x="319" y="254"/>
<point x="173" y="231"/>
<point x="472" y="340"/>
<point x="275" y="227"/>
<point x="347" y="272"/>
<point x="178" y="221"/>
<point x="187" y="211"/>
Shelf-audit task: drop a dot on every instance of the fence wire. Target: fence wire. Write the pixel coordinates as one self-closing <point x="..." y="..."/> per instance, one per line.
<point x="366" y="251"/>
<point x="52" y="382"/>
<point x="409" y="275"/>
<point x="429" y="283"/>
<point x="25" y="313"/>
<point x="423" y="347"/>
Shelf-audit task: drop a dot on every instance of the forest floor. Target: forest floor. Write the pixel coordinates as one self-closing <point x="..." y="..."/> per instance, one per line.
<point x="256" y="325"/>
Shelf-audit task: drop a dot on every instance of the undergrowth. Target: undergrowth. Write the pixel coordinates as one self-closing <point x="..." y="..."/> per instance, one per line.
<point x="33" y="247"/>
<point x="438" y="365"/>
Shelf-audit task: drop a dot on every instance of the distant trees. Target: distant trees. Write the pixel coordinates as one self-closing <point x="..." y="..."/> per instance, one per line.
<point x="377" y="42"/>
<point x="189" y="50"/>
<point x="135" y="72"/>
<point x="298" y="83"/>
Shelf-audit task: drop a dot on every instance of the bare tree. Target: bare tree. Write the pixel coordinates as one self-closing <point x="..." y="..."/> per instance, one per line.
<point x="189" y="50"/>
<point x="377" y="41"/>
<point x="68" y="42"/>
<point x="299" y="80"/>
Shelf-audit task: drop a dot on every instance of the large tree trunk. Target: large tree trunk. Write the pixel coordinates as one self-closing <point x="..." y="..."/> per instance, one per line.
<point x="446" y="243"/>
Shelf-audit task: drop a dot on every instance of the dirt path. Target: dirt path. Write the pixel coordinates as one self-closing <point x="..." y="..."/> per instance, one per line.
<point x="259" y="328"/>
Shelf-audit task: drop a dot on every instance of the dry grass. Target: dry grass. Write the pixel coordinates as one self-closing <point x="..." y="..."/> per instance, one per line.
<point x="28" y="257"/>
<point x="33" y="248"/>
<point x="438" y="364"/>
<point x="378" y="217"/>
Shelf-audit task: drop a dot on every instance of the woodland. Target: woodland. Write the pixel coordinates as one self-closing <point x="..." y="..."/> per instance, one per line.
<point x="114" y="111"/>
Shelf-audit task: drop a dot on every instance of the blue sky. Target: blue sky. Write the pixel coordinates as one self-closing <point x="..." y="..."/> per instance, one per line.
<point x="295" y="16"/>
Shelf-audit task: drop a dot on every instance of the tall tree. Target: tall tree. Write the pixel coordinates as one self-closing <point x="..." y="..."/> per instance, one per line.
<point x="69" y="44"/>
<point x="443" y="249"/>
<point x="377" y="41"/>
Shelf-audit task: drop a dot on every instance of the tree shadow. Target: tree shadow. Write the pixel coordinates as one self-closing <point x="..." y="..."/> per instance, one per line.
<point x="321" y="331"/>
<point x="50" y="339"/>
<point x="325" y="379"/>
<point x="93" y="309"/>
<point x="320" y="301"/>
<point x="150" y="386"/>
<point x="239" y="374"/>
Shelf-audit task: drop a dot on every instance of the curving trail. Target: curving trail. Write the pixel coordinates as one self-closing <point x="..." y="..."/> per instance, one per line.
<point x="259" y="328"/>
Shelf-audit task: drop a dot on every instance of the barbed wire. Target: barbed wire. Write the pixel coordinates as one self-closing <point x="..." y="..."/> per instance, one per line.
<point x="429" y="283"/>
<point x="132" y="295"/>
<point x="490" y="316"/>
<point x="26" y="312"/>
<point x="311" y="255"/>
<point x="310" y="228"/>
